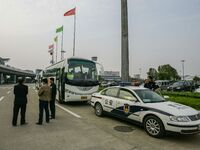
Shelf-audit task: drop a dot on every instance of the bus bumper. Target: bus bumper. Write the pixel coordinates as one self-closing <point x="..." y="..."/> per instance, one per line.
<point x="74" y="98"/>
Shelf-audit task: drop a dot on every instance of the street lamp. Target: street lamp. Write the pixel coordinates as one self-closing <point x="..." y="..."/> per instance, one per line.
<point x="140" y="71"/>
<point x="183" y="67"/>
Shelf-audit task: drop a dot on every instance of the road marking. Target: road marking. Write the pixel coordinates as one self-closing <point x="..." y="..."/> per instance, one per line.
<point x="1" y="98"/>
<point x="8" y="92"/>
<point x="70" y="112"/>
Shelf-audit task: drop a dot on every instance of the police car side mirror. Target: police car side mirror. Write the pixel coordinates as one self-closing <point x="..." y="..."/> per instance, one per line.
<point x="166" y="97"/>
<point x="133" y="99"/>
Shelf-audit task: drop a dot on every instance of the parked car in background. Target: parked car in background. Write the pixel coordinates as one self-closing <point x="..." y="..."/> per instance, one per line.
<point x="109" y="83"/>
<point x="181" y="86"/>
<point x="197" y="90"/>
<point x="147" y="108"/>
<point x="105" y="84"/>
<point x="163" y="84"/>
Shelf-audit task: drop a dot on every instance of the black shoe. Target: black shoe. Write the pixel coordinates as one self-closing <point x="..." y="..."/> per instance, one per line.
<point x="14" y="125"/>
<point x="52" y="118"/>
<point x="47" y="121"/>
<point x="25" y="123"/>
<point x="38" y="123"/>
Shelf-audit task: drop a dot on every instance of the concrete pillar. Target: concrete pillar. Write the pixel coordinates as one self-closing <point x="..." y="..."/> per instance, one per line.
<point x="124" y="41"/>
<point x="1" y="78"/>
<point x="5" y="79"/>
<point x="14" y="79"/>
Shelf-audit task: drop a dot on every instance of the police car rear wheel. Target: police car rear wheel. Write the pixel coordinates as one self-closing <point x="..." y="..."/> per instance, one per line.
<point x="98" y="110"/>
<point x="154" y="126"/>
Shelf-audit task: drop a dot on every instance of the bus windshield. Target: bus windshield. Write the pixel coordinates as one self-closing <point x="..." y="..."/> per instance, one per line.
<point x="81" y="72"/>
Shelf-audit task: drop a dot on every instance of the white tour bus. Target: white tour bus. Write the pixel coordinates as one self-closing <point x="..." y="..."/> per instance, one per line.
<point x="76" y="78"/>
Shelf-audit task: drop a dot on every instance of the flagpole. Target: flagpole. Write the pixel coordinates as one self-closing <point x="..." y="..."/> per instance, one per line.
<point x="56" y="49"/>
<point x="74" y="34"/>
<point x="62" y="45"/>
<point x="53" y="57"/>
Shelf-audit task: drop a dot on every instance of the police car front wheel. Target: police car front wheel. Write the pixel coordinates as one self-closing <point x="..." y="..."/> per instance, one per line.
<point x="153" y="126"/>
<point x="98" y="109"/>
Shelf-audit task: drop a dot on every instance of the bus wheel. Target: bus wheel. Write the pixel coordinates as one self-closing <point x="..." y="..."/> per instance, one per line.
<point x="98" y="109"/>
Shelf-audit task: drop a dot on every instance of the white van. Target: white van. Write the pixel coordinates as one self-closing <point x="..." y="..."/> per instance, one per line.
<point x="163" y="84"/>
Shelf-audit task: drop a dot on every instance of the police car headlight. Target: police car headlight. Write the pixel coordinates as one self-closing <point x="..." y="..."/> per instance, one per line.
<point x="179" y="118"/>
<point x="178" y="88"/>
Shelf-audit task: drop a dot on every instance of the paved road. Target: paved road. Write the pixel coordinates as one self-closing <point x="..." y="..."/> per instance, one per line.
<point x="76" y="127"/>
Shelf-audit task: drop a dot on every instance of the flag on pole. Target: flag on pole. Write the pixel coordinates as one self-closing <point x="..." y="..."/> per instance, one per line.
<point x="56" y="39"/>
<point x="59" y="29"/>
<point x="70" y="12"/>
<point x="51" y="46"/>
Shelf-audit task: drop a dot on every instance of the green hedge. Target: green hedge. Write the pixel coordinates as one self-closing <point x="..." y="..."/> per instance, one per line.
<point x="184" y="94"/>
<point x="189" y="101"/>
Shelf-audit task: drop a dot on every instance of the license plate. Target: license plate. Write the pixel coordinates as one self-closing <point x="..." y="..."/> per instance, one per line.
<point x="83" y="97"/>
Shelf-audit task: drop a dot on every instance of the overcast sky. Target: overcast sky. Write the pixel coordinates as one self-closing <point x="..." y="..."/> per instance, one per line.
<point x="160" y="32"/>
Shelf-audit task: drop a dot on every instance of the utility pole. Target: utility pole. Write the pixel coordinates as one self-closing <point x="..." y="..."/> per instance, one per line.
<point x="183" y="67"/>
<point x="124" y="41"/>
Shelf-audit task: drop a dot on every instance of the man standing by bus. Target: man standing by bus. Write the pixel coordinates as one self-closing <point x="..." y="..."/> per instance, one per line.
<point x="53" y="98"/>
<point x="44" y="98"/>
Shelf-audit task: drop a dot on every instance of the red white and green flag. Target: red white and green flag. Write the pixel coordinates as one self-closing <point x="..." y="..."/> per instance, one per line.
<point x="60" y="29"/>
<point x="51" y="46"/>
<point x="70" y="12"/>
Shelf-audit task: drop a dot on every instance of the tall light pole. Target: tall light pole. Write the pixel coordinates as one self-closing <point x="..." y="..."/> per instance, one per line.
<point x="183" y="67"/>
<point x="124" y="41"/>
<point x="140" y="71"/>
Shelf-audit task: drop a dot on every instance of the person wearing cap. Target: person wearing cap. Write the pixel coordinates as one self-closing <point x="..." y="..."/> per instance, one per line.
<point x="53" y="98"/>
<point x="20" y="101"/>
<point x="44" y="94"/>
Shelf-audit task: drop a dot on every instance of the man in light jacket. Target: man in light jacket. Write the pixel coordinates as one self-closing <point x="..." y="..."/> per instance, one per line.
<point x="44" y="94"/>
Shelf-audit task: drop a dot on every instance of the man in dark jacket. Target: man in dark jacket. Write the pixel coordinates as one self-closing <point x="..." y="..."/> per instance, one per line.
<point x="150" y="84"/>
<point x="53" y="98"/>
<point x="20" y="101"/>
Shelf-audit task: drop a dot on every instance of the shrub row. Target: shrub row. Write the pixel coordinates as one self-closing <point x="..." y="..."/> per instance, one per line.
<point x="184" y="94"/>
<point x="192" y="102"/>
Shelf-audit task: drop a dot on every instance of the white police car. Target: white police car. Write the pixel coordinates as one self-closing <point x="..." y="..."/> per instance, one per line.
<point x="147" y="108"/>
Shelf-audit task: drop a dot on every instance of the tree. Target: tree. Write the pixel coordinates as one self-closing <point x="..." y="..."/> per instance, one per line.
<point x="196" y="79"/>
<point x="153" y="73"/>
<point x="167" y="72"/>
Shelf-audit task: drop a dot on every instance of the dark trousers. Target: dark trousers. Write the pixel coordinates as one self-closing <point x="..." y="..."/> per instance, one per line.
<point x="52" y="108"/>
<point x="43" y="105"/>
<point x="16" y="109"/>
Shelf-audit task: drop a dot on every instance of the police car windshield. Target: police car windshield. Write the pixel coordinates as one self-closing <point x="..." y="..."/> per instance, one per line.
<point x="148" y="96"/>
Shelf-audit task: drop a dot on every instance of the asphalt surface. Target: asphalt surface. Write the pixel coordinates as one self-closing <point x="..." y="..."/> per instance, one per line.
<point x="77" y="128"/>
